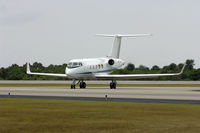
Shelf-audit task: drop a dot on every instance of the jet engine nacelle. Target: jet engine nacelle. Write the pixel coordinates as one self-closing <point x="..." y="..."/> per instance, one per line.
<point x="115" y="63"/>
<point x="111" y="62"/>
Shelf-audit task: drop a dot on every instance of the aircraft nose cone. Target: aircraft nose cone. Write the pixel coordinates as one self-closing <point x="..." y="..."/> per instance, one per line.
<point x="69" y="73"/>
<point x="66" y="70"/>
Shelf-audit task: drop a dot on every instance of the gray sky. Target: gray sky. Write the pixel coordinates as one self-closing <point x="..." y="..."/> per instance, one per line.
<point x="55" y="31"/>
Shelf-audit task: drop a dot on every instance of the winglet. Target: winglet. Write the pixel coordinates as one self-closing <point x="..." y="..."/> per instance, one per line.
<point x="28" y="68"/>
<point x="183" y="68"/>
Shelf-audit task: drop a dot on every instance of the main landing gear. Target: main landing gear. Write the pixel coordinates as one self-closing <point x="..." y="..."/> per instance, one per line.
<point x="113" y="84"/>
<point x="81" y="84"/>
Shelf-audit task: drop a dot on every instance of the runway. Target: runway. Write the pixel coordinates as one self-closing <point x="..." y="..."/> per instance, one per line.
<point x="94" y="82"/>
<point x="123" y="94"/>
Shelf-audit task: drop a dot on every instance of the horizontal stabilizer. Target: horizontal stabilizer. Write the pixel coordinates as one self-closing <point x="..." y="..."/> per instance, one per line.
<point x="117" y="42"/>
<point x="123" y="35"/>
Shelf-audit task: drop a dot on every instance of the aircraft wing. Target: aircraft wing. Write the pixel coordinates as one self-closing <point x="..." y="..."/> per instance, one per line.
<point x="43" y="74"/>
<point x="135" y="76"/>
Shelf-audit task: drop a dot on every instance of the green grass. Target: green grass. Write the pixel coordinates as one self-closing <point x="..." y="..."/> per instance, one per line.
<point x="96" y="85"/>
<point x="56" y="116"/>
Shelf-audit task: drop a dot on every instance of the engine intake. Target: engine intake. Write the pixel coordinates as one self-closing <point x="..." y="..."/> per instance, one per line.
<point x="111" y="62"/>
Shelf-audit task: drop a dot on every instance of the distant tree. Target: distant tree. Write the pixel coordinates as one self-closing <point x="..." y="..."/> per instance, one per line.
<point x="14" y="66"/>
<point x="143" y="68"/>
<point x="172" y="66"/>
<point x="180" y="66"/>
<point x="130" y="67"/>
<point x="190" y="64"/>
<point x="14" y="72"/>
<point x="197" y="74"/>
<point x="155" y="68"/>
<point x="37" y="65"/>
<point x="3" y="73"/>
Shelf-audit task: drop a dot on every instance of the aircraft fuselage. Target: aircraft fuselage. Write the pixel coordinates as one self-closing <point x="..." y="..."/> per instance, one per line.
<point x="87" y="68"/>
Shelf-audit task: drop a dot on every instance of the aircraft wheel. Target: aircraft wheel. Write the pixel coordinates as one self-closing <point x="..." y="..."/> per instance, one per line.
<point x="84" y="85"/>
<point x="81" y="84"/>
<point x="112" y="85"/>
<point x="73" y="86"/>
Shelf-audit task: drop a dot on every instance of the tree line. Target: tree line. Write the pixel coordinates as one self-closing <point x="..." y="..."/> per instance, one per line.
<point x="16" y="72"/>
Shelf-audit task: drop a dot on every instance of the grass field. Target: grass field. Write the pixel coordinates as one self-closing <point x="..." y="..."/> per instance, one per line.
<point x="56" y="116"/>
<point x="97" y="85"/>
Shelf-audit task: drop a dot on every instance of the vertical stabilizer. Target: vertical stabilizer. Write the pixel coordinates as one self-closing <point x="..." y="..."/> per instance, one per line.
<point x="116" y="47"/>
<point x="117" y="42"/>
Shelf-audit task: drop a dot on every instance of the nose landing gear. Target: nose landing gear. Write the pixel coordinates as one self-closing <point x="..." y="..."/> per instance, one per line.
<point x="113" y="84"/>
<point x="81" y="83"/>
<point x="73" y="85"/>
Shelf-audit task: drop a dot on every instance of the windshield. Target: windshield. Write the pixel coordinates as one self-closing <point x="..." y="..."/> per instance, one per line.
<point x="74" y="64"/>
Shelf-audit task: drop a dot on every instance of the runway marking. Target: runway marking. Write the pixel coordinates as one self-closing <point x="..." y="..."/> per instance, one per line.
<point x="120" y="94"/>
<point x="107" y="99"/>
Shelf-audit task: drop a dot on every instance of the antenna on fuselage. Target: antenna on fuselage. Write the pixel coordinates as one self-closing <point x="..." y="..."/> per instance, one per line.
<point x="117" y="42"/>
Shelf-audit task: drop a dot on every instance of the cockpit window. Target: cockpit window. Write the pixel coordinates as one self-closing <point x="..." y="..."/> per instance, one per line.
<point x="74" y="64"/>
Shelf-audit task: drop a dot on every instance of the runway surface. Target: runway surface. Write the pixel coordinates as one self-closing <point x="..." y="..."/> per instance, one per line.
<point x="95" y="82"/>
<point x="124" y="94"/>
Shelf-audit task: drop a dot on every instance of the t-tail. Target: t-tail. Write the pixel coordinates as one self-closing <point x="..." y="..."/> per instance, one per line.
<point x="117" y="42"/>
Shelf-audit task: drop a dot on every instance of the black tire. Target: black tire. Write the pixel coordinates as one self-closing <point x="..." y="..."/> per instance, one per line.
<point x="81" y="85"/>
<point x="73" y="86"/>
<point x="84" y="85"/>
<point x="114" y="85"/>
<point x="111" y="85"/>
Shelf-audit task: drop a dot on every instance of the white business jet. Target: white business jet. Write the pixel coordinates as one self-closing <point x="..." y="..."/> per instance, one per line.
<point x="100" y="68"/>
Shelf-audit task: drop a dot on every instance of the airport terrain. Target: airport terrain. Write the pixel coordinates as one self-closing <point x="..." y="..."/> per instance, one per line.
<point x="153" y="91"/>
<point x="51" y="106"/>
<point x="50" y="116"/>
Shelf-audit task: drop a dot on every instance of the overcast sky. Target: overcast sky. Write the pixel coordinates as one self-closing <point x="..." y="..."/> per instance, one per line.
<point x="55" y="31"/>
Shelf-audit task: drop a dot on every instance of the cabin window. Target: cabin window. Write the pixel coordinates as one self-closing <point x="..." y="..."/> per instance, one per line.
<point x="99" y="66"/>
<point x="102" y="66"/>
